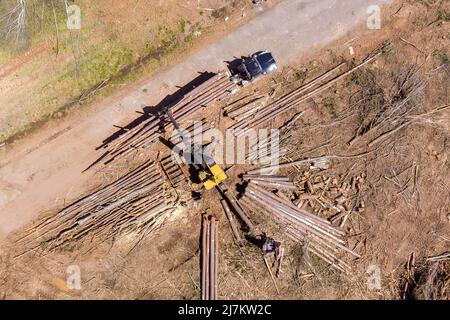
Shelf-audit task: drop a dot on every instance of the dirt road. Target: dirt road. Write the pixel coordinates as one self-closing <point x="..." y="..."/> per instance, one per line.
<point x="50" y="175"/>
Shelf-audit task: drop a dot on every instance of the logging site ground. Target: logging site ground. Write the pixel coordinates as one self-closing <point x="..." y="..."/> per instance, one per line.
<point x="93" y="206"/>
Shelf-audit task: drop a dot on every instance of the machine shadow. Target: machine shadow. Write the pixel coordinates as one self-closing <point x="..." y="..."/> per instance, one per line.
<point x="149" y="111"/>
<point x="152" y="111"/>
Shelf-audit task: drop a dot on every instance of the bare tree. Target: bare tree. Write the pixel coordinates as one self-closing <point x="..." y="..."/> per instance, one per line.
<point x="56" y="27"/>
<point x="13" y="22"/>
<point x="22" y="14"/>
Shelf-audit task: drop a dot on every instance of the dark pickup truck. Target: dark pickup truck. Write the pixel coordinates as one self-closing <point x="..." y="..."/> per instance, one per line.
<point x="251" y="68"/>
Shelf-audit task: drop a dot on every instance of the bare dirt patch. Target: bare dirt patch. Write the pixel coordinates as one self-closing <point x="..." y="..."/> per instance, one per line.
<point x="405" y="194"/>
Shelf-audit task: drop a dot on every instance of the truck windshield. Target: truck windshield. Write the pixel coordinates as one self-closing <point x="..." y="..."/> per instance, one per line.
<point x="252" y="67"/>
<point x="266" y="61"/>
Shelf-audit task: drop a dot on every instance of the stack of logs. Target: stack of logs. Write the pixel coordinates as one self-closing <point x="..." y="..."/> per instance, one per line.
<point x="240" y="110"/>
<point x="147" y="132"/>
<point x="320" y="237"/>
<point x="131" y="203"/>
<point x="193" y="133"/>
<point x="264" y="114"/>
<point x="269" y="149"/>
<point x="270" y="182"/>
<point x="174" y="172"/>
<point x="209" y="257"/>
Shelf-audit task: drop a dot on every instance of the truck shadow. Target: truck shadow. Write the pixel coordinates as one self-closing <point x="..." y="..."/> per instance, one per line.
<point x="233" y="64"/>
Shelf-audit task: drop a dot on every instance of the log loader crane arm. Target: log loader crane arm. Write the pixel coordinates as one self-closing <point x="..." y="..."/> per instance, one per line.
<point x="207" y="172"/>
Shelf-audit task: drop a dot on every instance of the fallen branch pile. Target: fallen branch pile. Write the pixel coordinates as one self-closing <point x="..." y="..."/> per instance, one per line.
<point x="147" y="132"/>
<point x="319" y="236"/>
<point x="426" y="279"/>
<point x="134" y="202"/>
<point x="382" y="115"/>
<point x="441" y="257"/>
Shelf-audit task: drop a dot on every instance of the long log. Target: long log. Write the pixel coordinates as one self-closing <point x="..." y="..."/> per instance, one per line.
<point x="205" y="258"/>
<point x="213" y="259"/>
<point x="229" y="216"/>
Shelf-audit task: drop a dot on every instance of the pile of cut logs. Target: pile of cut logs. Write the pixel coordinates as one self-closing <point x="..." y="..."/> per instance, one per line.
<point x="194" y="132"/>
<point x="331" y="197"/>
<point x="209" y="257"/>
<point x="319" y="235"/>
<point x="135" y="201"/>
<point x="147" y="132"/>
<point x="258" y="116"/>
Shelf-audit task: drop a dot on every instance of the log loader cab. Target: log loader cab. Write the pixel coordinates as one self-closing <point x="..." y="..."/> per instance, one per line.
<point x="205" y="172"/>
<point x="212" y="174"/>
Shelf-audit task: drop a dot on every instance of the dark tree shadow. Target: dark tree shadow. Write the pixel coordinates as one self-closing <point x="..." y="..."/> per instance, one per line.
<point x="151" y="111"/>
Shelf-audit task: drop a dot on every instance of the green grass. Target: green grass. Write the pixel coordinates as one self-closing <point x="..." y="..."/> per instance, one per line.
<point x="387" y="47"/>
<point x="443" y="15"/>
<point x="330" y="104"/>
<point x="442" y="55"/>
<point x="102" y="62"/>
<point x="94" y="62"/>
<point x="183" y="25"/>
<point x="5" y="56"/>
<point x="301" y="75"/>
<point x="110" y="59"/>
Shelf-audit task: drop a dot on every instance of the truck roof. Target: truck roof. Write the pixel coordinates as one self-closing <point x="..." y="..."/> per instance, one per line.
<point x="266" y="61"/>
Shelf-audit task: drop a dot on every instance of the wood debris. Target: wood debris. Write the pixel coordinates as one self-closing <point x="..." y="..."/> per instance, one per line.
<point x="319" y="236"/>
<point x="441" y="257"/>
<point x="329" y="197"/>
